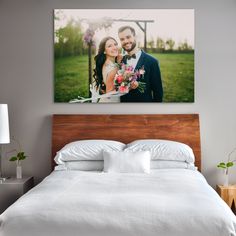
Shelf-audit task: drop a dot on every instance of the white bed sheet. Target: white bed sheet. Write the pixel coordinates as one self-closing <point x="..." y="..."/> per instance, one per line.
<point x="166" y="202"/>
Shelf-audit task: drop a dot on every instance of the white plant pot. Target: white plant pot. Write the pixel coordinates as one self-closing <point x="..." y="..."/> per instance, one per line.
<point x="19" y="172"/>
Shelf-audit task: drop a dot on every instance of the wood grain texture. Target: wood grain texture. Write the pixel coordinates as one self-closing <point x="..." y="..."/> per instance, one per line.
<point x="227" y="193"/>
<point x="127" y="128"/>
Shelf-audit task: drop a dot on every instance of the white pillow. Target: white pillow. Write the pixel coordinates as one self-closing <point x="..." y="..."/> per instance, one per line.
<point x="163" y="150"/>
<point x="81" y="165"/>
<point x="127" y="162"/>
<point x="87" y="150"/>
<point x="160" y="164"/>
<point x="99" y="165"/>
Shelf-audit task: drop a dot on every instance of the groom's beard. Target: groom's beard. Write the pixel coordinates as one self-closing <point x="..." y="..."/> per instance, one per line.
<point x="130" y="49"/>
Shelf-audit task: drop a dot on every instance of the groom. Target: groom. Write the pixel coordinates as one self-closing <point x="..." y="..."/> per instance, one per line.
<point x="138" y="59"/>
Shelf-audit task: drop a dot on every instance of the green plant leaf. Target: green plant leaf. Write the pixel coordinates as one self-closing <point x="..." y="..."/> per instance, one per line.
<point x="13" y="159"/>
<point x="230" y="164"/>
<point x="22" y="157"/>
<point x="20" y="154"/>
<point x="221" y="165"/>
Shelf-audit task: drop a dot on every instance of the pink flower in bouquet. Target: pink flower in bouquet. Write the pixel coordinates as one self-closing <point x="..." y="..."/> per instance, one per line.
<point x="129" y="68"/>
<point x="119" y="79"/>
<point x="126" y="75"/>
<point x="123" y="89"/>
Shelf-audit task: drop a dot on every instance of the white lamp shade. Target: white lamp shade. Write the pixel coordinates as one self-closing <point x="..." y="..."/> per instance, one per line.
<point x="4" y="124"/>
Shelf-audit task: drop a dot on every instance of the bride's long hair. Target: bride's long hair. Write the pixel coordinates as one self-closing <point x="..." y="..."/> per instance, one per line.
<point x="100" y="59"/>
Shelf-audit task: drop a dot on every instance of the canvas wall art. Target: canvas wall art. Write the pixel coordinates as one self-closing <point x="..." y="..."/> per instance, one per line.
<point x="123" y="55"/>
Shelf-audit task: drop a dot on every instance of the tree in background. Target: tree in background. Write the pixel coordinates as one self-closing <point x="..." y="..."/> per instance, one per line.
<point x="69" y="40"/>
<point x="151" y="45"/>
<point x="160" y="45"/>
<point x="185" y="47"/>
<point x="168" y="46"/>
<point x="170" y="43"/>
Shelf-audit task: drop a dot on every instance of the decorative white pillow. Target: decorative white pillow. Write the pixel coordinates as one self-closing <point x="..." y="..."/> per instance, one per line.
<point x="163" y="150"/>
<point x="87" y="150"/>
<point x="127" y="162"/>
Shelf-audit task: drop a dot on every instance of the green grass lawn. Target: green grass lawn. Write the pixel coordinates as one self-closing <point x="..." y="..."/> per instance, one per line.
<point x="177" y="70"/>
<point x="70" y="78"/>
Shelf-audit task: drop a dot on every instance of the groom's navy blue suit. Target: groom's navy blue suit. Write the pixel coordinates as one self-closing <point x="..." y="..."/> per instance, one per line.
<point x="152" y="77"/>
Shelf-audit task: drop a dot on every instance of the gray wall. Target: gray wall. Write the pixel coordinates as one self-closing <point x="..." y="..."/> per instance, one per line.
<point x="26" y="77"/>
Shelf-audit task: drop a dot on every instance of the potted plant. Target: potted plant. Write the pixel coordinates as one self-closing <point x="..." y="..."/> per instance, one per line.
<point x="225" y="166"/>
<point x="18" y="157"/>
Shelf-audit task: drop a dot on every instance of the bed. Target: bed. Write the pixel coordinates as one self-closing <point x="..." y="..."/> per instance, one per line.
<point x="165" y="201"/>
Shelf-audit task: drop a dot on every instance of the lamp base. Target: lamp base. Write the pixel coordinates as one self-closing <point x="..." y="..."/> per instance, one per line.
<point x="2" y="180"/>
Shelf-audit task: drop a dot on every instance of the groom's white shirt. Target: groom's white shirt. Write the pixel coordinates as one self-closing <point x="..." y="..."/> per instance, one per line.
<point x="133" y="61"/>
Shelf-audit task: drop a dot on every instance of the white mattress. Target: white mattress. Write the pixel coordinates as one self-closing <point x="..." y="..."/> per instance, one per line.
<point x="167" y="202"/>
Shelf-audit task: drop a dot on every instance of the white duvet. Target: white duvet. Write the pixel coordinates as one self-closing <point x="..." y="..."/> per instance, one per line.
<point x="164" y="203"/>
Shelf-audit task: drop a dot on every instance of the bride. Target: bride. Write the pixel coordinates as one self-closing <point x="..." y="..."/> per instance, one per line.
<point x="106" y="69"/>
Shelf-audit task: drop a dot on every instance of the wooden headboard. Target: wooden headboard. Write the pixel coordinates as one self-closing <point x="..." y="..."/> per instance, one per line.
<point x="126" y="128"/>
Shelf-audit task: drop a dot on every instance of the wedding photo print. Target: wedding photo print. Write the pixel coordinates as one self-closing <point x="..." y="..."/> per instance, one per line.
<point x="123" y="55"/>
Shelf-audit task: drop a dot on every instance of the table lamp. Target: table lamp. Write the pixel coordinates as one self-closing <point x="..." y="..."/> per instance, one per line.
<point x="4" y="132"/>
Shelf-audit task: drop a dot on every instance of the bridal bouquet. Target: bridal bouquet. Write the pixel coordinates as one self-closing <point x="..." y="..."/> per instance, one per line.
<point x="126" y="75"/>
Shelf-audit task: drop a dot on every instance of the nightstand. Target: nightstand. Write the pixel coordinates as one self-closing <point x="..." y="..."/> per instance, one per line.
<point x="228" y="194"/>
<point x="11" y="189"/>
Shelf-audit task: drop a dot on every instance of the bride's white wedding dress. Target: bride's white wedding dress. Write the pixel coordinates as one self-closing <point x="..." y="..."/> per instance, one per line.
<point x="107" y="68"/>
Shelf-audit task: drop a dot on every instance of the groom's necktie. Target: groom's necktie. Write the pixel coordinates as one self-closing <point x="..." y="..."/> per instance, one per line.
<point x="128" y="57"/>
